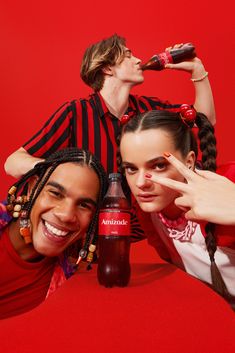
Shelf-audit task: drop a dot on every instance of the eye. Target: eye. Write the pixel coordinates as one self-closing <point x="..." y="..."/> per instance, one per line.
<point x="160" y="166"/>
<point x="86" y="205"/>
<point x="130" y="169"/>
<point x="55" y="193"/>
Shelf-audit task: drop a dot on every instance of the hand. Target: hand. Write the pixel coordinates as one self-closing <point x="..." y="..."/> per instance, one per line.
<point x="194" y="66"/>
<point x="206" y="196"/>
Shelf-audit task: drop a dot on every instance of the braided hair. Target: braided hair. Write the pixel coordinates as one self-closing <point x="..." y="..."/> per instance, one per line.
<point x="184" y="140"/>
<point x="43" y="171"/>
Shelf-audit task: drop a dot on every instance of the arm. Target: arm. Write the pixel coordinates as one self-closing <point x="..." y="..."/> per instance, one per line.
<point x="55" y="135"/>
<point x="206" y="196"/>
<point x="20" y="162"/>
<point x="204" y="101"/>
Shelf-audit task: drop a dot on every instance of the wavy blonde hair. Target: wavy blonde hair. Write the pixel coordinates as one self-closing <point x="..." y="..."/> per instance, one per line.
<point x="108" y="51"/>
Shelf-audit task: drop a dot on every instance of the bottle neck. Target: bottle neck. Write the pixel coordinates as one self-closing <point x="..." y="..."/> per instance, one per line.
<point x="115" y="189"/>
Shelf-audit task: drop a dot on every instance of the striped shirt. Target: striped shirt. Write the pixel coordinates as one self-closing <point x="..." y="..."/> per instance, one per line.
<point x="88" y="124"/>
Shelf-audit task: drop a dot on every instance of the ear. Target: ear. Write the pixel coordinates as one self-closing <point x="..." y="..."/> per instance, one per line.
<point x="107" y="70"/>
<point x="31" y="183"/>
<point x="190" y="160"/>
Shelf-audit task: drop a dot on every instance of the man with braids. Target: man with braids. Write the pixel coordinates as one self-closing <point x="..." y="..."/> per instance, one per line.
<point x="46" y="233"/>
<point x="203" y="249"/>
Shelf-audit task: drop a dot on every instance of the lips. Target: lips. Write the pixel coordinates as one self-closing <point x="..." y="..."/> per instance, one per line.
<point x="146" y="197"/>
<point x="54" y="233"/>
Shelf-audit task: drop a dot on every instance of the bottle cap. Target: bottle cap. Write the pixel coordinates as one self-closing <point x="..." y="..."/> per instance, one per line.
<point x="115" y="176"/>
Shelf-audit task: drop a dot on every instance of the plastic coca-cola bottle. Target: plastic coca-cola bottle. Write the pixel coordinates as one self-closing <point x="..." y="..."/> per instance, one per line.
<point x="114" y="236"/>
<point x="175" y="55"/>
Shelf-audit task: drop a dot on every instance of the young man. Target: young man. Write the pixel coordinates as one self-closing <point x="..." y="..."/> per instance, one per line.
<point x="53" y="224"/>
<point x="111" y="70"/>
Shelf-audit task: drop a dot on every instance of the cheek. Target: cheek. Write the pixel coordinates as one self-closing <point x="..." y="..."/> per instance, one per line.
<point x="85" y="220"/>
<point x="131" y="181"/>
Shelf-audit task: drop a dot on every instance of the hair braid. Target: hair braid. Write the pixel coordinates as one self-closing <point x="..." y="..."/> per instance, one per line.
<point x="43" y="171"/>
<point x="207" y="142"/>
<point x="184" y="141"/>
<point x="208" y="148"/>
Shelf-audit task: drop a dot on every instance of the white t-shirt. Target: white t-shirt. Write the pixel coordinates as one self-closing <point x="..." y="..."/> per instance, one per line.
<point x="190" y="249"/>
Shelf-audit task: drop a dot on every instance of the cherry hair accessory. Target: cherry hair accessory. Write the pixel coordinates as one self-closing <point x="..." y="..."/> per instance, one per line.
<point x="126" y="117"/>
<point x="187" y="114"/>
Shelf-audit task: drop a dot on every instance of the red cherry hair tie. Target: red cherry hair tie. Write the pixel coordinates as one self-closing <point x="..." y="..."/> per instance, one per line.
<point x="188" y="114"/>
<point x="126" y="117"/>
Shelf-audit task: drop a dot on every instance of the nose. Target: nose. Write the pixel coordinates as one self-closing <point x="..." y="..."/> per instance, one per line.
<point x="138" y="61"/>
<point x="66" y="212"/>
<point x="142" y="182"/>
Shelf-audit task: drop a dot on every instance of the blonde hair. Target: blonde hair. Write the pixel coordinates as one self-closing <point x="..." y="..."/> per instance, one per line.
<point x="108" y="51"/>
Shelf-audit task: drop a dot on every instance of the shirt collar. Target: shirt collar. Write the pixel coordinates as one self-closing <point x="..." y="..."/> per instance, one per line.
<point x="103" y="109"/>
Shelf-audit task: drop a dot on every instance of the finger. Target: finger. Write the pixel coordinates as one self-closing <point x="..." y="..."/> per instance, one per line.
<point x="187" y="173"/>
<point x="208" y="174"/>
<point x="191" y="216"/>
<point x="170" y="183"/>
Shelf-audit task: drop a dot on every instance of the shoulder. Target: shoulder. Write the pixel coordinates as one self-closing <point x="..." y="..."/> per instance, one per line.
<point x="227" y="170"/>
<point x="5" y="217"/>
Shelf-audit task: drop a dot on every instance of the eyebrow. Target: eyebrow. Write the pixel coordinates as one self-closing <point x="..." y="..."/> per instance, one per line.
<point x="128" y="51"/>
<point x="63" y="190"/>
<point x="154" y="160"/>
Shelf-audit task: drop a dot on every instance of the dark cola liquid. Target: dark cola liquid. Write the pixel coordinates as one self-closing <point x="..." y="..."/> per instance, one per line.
<point x="114" y="248"/>
<point x="114" y="265"/>
<point x="176" y="55"/>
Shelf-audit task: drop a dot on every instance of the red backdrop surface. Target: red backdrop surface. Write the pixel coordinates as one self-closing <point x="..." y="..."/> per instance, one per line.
<point x="43" y="43"/>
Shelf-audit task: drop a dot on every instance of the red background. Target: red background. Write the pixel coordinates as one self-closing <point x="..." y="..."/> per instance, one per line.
<point x="43" y="43"/>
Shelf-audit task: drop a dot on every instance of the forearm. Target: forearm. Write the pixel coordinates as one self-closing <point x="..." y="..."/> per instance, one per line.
<point x="204" y="102"/>
<point x="20" y="162"/>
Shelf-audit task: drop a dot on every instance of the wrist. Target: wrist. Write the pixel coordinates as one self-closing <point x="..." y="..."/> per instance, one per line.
<point x="199" y="78"/>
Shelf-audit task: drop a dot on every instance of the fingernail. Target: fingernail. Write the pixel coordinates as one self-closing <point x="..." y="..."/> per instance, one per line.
<point x="166" y="154"/>
<point x="147" y="175"/>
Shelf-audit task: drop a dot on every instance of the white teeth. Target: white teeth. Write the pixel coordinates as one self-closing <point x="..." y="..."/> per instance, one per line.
<point x="55" y="231"/>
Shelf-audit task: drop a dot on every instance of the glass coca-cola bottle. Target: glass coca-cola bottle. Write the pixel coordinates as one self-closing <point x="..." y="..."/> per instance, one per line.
<point x="114" y="236"/>
<point x="175" y="55"/>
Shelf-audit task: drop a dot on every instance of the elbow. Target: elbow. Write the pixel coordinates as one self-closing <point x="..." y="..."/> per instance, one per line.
<point x="8" y="167"/>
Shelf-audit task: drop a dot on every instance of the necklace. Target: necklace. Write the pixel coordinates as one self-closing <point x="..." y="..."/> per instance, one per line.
<point x="186" y="231"/>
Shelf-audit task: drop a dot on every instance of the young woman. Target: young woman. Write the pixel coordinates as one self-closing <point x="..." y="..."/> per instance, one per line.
<point x="206" y="196"/>
<point x="45" y="228"/>
<point x="146" y="143"/>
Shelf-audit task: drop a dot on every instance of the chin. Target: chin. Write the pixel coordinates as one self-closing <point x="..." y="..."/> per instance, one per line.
<point x="148" y="207"/>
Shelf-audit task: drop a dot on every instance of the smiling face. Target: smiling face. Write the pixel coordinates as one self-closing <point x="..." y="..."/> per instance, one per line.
<point x="64" y="208"/>
<point x="143" y="152"/>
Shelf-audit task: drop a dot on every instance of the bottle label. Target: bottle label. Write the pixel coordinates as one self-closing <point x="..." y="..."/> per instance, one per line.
<point x="114" y="223"/>
<point x="165" y="58"/>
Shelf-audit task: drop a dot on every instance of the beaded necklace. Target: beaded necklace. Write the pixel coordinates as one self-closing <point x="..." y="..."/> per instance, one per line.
<point x="180" y="228"/>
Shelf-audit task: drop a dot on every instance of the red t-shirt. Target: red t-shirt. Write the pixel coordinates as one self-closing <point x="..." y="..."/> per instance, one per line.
<point x="23" y="285"/>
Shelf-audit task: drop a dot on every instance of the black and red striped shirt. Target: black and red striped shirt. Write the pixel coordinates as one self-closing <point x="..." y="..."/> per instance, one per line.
<point x="88" y="124"/>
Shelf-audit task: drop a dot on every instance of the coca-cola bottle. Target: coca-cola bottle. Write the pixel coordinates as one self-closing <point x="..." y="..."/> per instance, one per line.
<point x="175" y="55"/>
<point x="114" y="236"/>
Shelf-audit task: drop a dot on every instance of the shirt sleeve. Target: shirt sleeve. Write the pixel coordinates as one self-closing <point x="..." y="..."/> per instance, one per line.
<point x="58" y="132"/>
<point x="156" y="103"/>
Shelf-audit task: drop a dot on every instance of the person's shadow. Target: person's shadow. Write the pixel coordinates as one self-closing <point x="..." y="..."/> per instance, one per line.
<point x="142" y="273"/>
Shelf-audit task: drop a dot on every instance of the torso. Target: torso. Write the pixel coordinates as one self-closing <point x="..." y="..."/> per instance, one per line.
<point x="190" y="253"/>
<point x="23" y="285"/>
